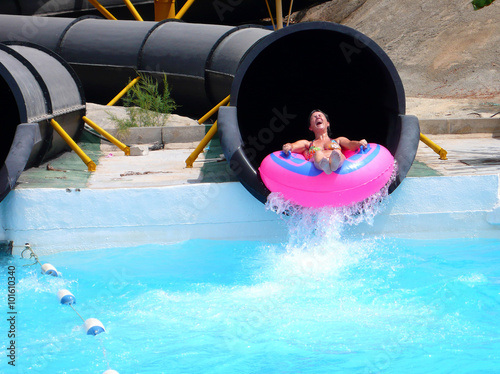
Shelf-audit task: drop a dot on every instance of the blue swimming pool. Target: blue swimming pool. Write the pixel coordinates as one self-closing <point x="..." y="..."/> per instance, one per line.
<point x="324" y="304"/>
<point x="203" y="279"/>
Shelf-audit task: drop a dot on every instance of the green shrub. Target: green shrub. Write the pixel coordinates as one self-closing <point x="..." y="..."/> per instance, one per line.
<point x="146" y="106"/>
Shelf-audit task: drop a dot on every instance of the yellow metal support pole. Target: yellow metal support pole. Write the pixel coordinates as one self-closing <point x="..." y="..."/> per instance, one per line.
<point x="184" y="9"/>
<point x="164" y="9"/>
<point x="132" y="10"/>
<point x="86" y="159"/>
<point x="123" y="92"/>
<point x="270" y="15"/>
<point x="101" y="9"/>
<point x="436" y="148"/>
<point x="125" y="148"/>
<point x="279" y="14"/>
<point x="213" y="110"/>
<point x="208" y="136"/>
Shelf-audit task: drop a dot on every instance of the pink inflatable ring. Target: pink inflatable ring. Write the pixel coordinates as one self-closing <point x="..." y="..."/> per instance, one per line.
<point x="363" y="173"/>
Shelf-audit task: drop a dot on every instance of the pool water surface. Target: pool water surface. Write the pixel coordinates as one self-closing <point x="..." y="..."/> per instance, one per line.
<point x="319" y="305"/>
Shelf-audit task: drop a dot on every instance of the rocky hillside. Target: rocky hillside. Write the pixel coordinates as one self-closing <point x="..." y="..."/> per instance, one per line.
<point x="442" y="49"/>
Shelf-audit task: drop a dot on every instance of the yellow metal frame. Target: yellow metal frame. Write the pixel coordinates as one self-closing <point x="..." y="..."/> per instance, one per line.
<point x="86" y="159"/>
<point x="209" y="135"/>
<point x="123" y="92"/>
<point x="279" y="14"/>
<point x="164" y="9"/>
<point x="289" y="13"/>
<point x="436" y="148"/>
<point x="270" y="15"/>
<point x="214" y="110"/>
<point x="106" y="13"/>
<point x="206" y="139"/>
<point x="125" y="148"/>
<point x="132" y="10"/>
<point x="102" y="9"/>
<point x="184" y="9"/>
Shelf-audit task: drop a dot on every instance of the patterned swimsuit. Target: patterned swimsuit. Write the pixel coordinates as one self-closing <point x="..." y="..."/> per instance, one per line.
<point x="313" y="149"/>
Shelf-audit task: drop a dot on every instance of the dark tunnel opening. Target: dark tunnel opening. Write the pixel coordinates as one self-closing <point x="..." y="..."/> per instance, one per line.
<point x="36" y="86"/>
<point x="10" y="119"/>
<point x="315" y="69"/>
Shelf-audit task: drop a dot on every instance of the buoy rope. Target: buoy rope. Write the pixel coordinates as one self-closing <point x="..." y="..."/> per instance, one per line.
<point x="76" y="312"/>
<point x="27" y="247"/>
<point x="104" y="352"/>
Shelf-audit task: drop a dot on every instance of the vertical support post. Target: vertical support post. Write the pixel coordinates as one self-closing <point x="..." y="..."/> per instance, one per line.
<point x="164" y="9"/>
<point x="279" y="14"/>
<point x="86" y="159"/>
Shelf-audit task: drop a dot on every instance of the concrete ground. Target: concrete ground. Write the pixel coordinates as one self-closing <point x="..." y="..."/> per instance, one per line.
<point x="469" y="152"/>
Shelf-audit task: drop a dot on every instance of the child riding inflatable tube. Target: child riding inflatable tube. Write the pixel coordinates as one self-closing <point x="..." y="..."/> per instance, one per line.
<point x="306" y="66"/>
<point x="363" y="174"/>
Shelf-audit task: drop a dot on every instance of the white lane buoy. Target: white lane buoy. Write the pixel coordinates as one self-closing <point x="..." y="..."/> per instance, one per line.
<point x="111" y="371"/>
<point x="93" y="326"/>
<point x="50" y="270"/>
<point x="66" y="297"/>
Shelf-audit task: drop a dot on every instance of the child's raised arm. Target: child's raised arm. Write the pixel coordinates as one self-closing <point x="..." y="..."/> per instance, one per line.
<point x="352" y="145"/>
<point x="298" y="147"/>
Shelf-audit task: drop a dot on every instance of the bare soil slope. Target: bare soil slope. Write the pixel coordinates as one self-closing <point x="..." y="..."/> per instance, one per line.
<point x="442" y="49"/>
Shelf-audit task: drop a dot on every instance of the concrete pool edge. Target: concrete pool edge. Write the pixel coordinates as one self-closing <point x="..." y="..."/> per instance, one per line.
<point x="54" y="220"/>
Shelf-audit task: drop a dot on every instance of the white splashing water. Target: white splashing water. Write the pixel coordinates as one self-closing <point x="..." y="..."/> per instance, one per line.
<point x="327" y="221"/>
<point x="315" y="248"/>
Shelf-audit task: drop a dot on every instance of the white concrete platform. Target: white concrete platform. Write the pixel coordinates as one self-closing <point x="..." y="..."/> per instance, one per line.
<point x="54" y="220"/>
<point x="154" y="198"/>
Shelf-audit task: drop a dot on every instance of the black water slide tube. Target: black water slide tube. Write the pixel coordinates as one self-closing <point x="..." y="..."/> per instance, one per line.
<point x="314" y="66"/>
<point x="200" y="60"/>
<point x="36" y="86"/>
<point x="275" y="79"/>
